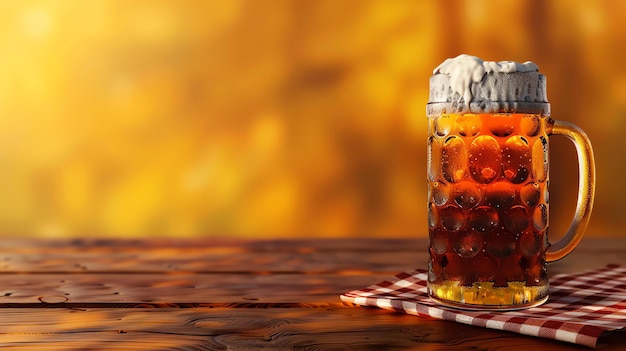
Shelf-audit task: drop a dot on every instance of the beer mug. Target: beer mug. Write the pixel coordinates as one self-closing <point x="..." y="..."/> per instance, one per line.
<point x="489" y="125"/>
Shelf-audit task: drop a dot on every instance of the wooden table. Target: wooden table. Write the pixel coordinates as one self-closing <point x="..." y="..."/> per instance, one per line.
<point x="233" y="295"/>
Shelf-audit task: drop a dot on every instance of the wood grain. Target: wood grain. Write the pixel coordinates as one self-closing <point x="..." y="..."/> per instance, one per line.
<point x="233" y="295"/>
<point x="215" y="289"/>
<point x="336" y="256"/>
<point x="251" y="329"/>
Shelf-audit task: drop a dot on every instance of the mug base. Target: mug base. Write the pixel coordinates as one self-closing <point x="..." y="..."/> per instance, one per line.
<point x="484" y="296"/>
<point x="499" y="308"/>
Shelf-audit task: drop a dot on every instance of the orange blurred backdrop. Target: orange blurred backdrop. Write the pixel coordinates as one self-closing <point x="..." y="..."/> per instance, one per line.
<point x="274" y="118"/>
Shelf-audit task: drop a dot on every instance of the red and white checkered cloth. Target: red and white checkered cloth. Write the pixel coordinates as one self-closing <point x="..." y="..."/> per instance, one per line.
<point x="582" y="307"/>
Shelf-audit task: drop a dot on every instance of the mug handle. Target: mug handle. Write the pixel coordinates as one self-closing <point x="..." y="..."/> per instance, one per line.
<point x="586" y="189"/>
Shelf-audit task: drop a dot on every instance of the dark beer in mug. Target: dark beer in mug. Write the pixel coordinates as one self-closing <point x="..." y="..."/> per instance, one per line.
<point x="488" y="207"/>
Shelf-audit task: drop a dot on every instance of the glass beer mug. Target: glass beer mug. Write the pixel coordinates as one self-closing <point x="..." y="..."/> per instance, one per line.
<point x="489" y="125"/>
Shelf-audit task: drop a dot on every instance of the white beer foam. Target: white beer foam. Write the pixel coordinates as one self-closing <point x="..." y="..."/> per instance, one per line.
<point x="467" y="83"/>
<point x="466" y="69"/>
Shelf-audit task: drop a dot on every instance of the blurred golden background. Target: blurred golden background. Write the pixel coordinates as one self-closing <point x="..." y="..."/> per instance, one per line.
<point x="274" y="118"/>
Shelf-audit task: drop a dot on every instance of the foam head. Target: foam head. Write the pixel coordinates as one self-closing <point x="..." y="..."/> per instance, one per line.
<point x="467" y="84"/>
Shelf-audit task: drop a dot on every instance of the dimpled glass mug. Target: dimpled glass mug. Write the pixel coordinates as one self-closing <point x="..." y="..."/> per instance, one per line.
<point x="489" y="124"/>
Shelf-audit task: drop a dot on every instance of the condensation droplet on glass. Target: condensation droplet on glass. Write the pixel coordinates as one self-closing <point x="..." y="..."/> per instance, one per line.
<point x="453" y="159"/>
<point x="483" y="219"/>
<point x="468" y="125"/>
<point x="530" y="125"/>
<point x="443" y="125"/>
<point x="530" y="194"/>
<point x="452" y="218"/>
<point x="531" y="243"/>
<point x="433" y="159"/>
<point x="540" y="159"/>
<point x="466" y="194"/>
<point x="518" y="152"/>
<point x="540" y="217"/>
<point x="439" y="241"/>
<point x="485" y="159"/>
<point x="516" y="219"/>
<point x="439" y="193"/>
<point x="468" y="245"/>
<point x="502" y="125"/>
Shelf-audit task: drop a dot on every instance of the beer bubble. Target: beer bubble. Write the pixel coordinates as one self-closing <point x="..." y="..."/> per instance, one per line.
<point x="540" y="159"/>
<point x="531" y="243"/>
<point x="540" y="217"/>
<point x="468" y="125"/>
<point x="517" y="159"/>
<point x="502" y="125"/>
<point x="485" y="159"/>
<point x="439" y="193"/>
<point x="516" y="219"/>
<point x="443" y="125"/>
<point x="452" y="218"/>
<point x="468" y="245"/>
<point x="433" y="161"/>
<point x="453" y="159"/>
<point x="530" y="125"/>
<point x="530" y="194"/>
<point x="501" y="245"/>
<point x="466" y="194"/>
<point x="500" y="195"/>
<point x="483" y="219"/>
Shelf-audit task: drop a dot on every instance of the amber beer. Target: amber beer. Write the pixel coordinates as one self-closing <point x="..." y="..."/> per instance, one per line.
<point x="488" y="144"/>
<point x="488" y="208"/>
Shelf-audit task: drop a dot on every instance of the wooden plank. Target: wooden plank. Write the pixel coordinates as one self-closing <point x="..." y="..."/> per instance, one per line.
<point x="183" y="290"/>
<point x="204" y="256"/>
<point x="215" y="244"/>
<point x="260" y="257"/>
<point x="178" y="289"/>
<point x="252" y="329"/>
<point x="193" y="262"/>
<point x="104" y="340"/>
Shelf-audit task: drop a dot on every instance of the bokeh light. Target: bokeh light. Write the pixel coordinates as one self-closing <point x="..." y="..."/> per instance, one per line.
<point x="273" y="118"/>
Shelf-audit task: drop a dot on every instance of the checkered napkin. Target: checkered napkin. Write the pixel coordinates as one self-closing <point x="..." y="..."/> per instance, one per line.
<point x="582" y="307"/>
